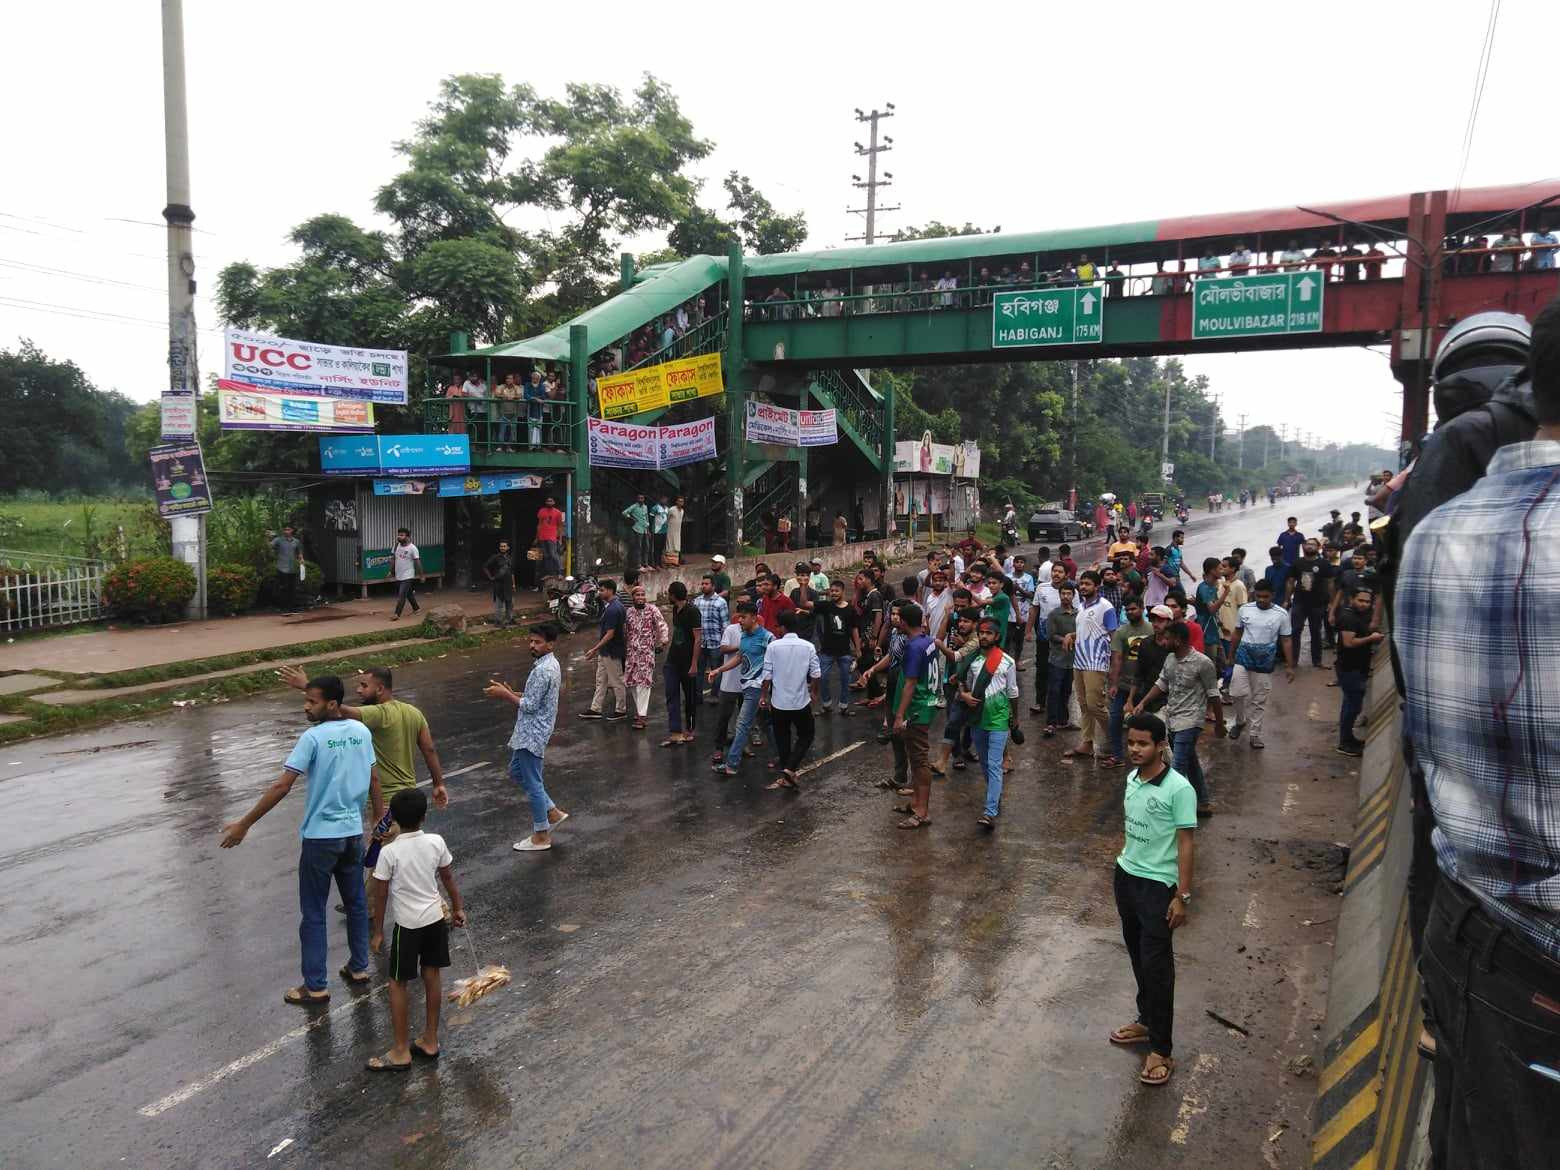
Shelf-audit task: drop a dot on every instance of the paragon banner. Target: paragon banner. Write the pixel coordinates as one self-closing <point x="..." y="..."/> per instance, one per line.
<point x="248" y="408"/>
<point x="654" y="387"/>
<point x="330" y="371"/>
<point x="618" y="444"/>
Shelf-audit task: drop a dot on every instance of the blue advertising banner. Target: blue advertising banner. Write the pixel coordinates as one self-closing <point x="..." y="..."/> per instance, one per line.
<point x="487" y="485"/>
<point x="395" y="455"/>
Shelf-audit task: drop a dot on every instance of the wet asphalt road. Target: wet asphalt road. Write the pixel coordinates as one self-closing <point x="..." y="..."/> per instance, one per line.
<point x="706" y="974"/>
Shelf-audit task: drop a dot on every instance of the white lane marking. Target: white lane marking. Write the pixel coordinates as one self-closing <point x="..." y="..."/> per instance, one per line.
<point x="831" y="757"/>
<point x="1291" y="799"/>
<point x="456" y="772"/>
<point x="1191" y="1103"/>
<point x="179" y="1096"/>
<point x="1250" y="920"/>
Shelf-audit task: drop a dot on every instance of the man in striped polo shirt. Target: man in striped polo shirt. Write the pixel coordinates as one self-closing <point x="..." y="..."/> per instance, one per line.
<point x="1097" y="621"/>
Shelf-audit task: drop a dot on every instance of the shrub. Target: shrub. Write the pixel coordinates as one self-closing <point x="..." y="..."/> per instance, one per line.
<point x="149" y="589"/>
<point x="231" y="588"/>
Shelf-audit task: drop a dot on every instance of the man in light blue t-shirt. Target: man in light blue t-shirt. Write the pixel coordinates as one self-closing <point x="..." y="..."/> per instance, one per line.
<point x="337" y="756"/>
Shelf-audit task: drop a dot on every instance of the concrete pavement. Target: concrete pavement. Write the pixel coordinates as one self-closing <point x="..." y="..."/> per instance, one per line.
<point x="706" y="974"/>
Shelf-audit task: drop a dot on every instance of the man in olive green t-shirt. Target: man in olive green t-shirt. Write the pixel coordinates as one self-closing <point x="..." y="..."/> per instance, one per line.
<point x="397" y="729"/>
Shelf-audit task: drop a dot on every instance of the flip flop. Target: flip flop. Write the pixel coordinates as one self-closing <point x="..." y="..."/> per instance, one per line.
<point x="418" y="1053"/>
<point x="1159" y="1074"/>
<point x="530" y="846"/>
<point x="559" y="821"/>
<point x="914" y="822"/>
<point x="781" y="781"/>
<point x="379" y="1064"/>
<point x="673" y="742"/>
<point x="302" y="998"/>
<point x="356" y="978"/>
<point x="1128" y="1034"/>
<point x="904" y="810"/>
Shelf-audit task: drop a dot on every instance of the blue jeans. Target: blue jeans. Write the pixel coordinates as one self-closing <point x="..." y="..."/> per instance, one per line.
<point x="1118" y="709"/>
<point x="989" y="746"/>
<point x="739" y="738"/>
<point x="322" y="859"/>
<point x="525" y="769"/>
<point x="830" y="665"/>
<point x="1351" y="684"/>
<point x="1183" y="746"/>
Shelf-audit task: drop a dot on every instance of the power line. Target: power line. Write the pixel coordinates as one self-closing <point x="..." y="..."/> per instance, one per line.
<point x="1481" y="76"/>
<point x="46" y="270"/>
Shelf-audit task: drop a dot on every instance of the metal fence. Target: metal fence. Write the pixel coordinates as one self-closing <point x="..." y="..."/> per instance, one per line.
<point x="41" y="589"/>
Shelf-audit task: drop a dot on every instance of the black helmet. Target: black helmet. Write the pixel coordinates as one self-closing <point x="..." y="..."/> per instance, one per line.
<point x="1495" y="337"/>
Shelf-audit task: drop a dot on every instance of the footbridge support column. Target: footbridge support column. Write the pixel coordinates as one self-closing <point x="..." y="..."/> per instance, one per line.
<point x="736" y="401"/>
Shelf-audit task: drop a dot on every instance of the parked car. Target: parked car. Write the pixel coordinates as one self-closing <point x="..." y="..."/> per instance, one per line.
<point x="1056" y="525"/>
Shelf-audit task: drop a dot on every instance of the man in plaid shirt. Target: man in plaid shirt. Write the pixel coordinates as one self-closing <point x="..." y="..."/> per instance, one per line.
<point x="1483" y="714"/>
<point x="714" y="616"/>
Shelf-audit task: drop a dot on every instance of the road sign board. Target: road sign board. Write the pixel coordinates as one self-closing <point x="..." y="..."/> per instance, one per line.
<point x="1262" y="303"/>
<point x="1052" y="316"/>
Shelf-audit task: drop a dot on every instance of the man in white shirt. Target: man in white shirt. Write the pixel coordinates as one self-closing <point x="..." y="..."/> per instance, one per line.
<point x="406" y="565"/>
<point x="936" y="602"/>
<point x="791" y="674"/>
<point x="1047" y="597"/>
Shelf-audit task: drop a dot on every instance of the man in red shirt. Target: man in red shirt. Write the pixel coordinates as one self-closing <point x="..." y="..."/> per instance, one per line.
<point x="549" y="536"/>
<point x="772" y="602"/>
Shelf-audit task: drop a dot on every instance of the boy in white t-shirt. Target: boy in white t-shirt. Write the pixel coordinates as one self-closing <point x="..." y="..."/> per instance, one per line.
<point x="407" y="876"/>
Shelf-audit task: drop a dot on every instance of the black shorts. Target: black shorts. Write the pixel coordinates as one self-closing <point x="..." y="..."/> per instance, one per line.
<point x="426" y="945"/>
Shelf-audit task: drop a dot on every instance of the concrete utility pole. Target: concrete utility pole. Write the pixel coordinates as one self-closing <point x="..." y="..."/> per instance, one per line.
<point x="1240" y="457"/>
<point x="1267" y="433"/>
<point x="1283" y="442"/>
<point x="188" y="532"/>
<point x="871" y="183"/>
<point x="1072" y="433"/>
<point x="1164" y="446"/>
<point x="1213" y="424"/>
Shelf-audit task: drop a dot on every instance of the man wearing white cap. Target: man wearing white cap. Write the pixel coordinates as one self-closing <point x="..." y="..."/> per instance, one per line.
<point x="719" y="576"/>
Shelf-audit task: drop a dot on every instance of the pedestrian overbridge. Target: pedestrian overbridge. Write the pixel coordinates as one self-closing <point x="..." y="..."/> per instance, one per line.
<point x="801" y="326"/>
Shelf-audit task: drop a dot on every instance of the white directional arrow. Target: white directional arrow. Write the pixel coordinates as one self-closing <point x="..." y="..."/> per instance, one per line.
<point x="1087" y="301"/>
<point x="1305" y="284"/>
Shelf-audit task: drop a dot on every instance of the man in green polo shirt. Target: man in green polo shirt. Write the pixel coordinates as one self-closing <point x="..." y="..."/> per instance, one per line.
<point x="1153" y="888"/>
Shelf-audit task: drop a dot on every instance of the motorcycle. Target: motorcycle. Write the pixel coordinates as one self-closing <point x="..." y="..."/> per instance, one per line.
<point x="1181" y="514"/>
<point x="574" y="602"/>
<point x="1147" y="526"/>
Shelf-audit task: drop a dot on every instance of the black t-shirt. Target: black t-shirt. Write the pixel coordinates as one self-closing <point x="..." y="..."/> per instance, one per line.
<point x="1311" y="575"/>
<point x="871" y="610"/>
<point x="1150" y="663"/>
<point x="1351" y="580"/>
<point x="615" y="617"/>
<point x="804" y="618"/>
<point x="1356" y="657"/>
<point x="838" y="622"/>
<point x="685" y="623"/>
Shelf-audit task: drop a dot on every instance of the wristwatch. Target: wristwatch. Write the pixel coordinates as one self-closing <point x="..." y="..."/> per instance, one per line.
<point x="1186" y="898"/>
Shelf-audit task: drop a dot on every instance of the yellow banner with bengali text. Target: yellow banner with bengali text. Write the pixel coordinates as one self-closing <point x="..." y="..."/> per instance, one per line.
<point x="654" y="387"/>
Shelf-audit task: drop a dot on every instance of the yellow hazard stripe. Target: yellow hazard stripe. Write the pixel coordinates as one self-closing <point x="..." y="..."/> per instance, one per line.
<point x="1364" y="861"/>
<point x="1404" y="1056"/>
<point x="1360" y="1047"/>
<point x="1361" y="1108"/>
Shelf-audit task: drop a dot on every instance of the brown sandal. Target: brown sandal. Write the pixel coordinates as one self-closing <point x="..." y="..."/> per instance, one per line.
<point x="1157" y="1074"/>
<point x="915" y="822"/>
<point x="1133" y="1033"/>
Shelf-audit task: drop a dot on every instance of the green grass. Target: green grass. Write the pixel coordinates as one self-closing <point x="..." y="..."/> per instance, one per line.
<point x="46" y="720"/>
<point x="173" y="670"/>
<point x="60" y="526"/>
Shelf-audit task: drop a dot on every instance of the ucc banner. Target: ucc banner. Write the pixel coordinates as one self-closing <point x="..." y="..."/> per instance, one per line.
<point x="655" y="387"/>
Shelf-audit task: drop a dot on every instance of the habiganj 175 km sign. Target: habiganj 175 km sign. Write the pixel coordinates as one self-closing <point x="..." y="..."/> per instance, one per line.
<point x="1053" y="316"/>
<point x="1248" y="306"/>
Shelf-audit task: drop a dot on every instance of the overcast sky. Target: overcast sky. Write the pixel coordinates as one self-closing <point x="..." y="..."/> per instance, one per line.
<point x="1050" y="116"/>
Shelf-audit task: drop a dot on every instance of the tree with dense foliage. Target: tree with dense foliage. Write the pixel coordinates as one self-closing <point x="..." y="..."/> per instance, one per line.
<point x="62" y="433"/>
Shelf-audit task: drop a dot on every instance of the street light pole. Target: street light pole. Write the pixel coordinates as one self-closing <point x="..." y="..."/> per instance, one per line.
<point x="188" y="532"/>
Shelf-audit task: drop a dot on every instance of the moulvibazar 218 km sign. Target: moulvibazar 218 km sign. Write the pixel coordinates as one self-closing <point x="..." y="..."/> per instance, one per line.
<point x="1053" y="316"/>
<point x="1250" y="306"/>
